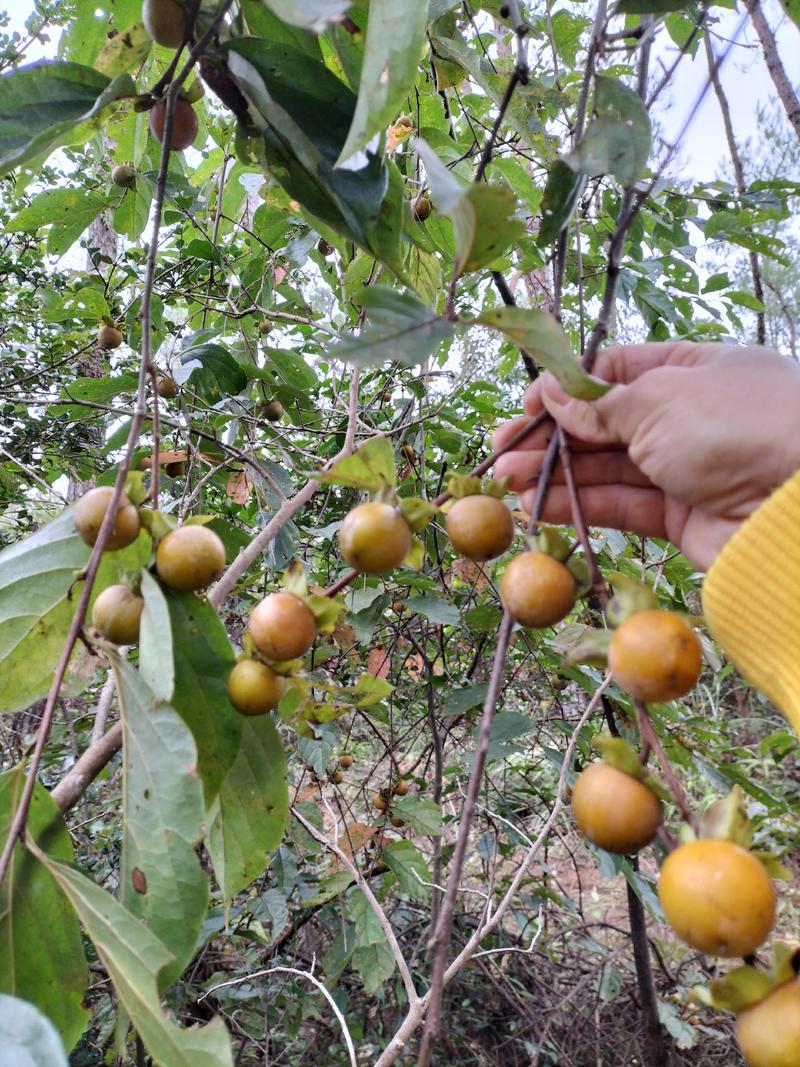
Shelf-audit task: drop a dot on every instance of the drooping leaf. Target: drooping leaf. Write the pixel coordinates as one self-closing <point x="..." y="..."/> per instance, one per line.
<point x="134" y="959"/>
<point x="370" y="467"/>
<point x="42" y="102"/>
<point x="484" y="216"/>
<point x="307" y="113"/>
<point x="218" y="374"/>
<point x="156" y="660"/>
<point x="408" y="865"/>
<point x="617" y="140"/>
<point x="133" y="211"/>
<point x="560" y="197"/>
<point x="395" y="35"/>
<point x="421" y="815"/>
<point x="42" y="960"/>
<point x="252" y="809"/>
<point x="310" y="14"/>
<point x="203" y="660"/>
<point x="161" y="880"/>
<point x="399" y="328"/>
<point x="36" y="574"/>
<point x="542" y="336"/>
<point x="27" y="1037"/>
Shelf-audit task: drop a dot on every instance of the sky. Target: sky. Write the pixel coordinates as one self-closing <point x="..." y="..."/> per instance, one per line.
<point x="744" y="77"/>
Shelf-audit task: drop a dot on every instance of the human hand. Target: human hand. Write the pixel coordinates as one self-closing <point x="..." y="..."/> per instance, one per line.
<point x="688" y="443"/>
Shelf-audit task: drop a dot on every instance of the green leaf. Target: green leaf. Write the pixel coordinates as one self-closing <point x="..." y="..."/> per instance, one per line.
<point x="560" y="197"/>
<point x="395" y="36"/>
<point x="42" y="960"/>
<point x="738" y="989"/>
<point x="161" y="880"/>
<point x="124" y="51"/>
<point x="42" y="102"/>
<point x="156" y="662"/>
<point x="134" y="959"/>
<point x="27" y="1036"/>
<point x="399" y="328"/>
<point x="36" y="575"/>
<point x="408" y="865"/>
<point x="310" y="14"/>
<point x="308" y="112"/>
<point x="745" y="300"/>
<point x="483" y="216"/>
<point x="203" y="660"/>
<point x="67" y="211"/>
<point x="133" y="211"/>
<point x="618" y="138"/>
<point x="371" y="467"/>
<point x="218" y="375"/>
<point x="542" y="336"/>
<point x="87" y="304"/>
<point x="422" y="816"/>
<point x="435" y="609"/>
<point x="792" y="9"/>
<point x="459" y="701"/>
<point x="375" y="964"/>
<point x="252" y="809"/>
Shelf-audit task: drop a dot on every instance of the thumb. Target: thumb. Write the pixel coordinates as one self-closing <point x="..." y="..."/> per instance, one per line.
<point x="596" y="422"/>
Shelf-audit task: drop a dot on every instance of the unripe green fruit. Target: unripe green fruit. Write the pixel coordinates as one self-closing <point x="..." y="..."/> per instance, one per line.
<point x="91" y="510"/>
<point x="117" y="613"/>
<point x="165" y="21"/>
<point x="195" y="91"/>
<point x="273" y="411"/>
<point x="254" y="688"/>
<point x="422" y="209"/>
<point x="109" y="336"/>
<point x="184" y="124"/>
<point x="124" y="176"/>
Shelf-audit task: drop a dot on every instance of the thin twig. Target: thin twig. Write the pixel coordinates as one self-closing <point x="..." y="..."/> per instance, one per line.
<point x="300" y="974"/>
<point x="372" y="900"/>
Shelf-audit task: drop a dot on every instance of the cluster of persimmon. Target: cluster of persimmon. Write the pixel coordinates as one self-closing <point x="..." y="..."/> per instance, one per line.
<point x="188" y="558"/>
<point x="382" y="801"/>
<point x="282" y="628"/>
<point x="717" y="896"/>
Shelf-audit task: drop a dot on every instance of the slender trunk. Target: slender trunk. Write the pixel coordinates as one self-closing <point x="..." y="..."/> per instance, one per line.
<point x="657" y="1053"/>
<point x="741" y="182"/>
<point x="786" y="92"/>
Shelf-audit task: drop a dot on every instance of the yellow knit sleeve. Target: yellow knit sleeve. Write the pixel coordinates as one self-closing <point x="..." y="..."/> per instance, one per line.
<point x="751" y="599"/>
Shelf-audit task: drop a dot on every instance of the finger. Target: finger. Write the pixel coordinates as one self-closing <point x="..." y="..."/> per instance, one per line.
<point x="588" y="468"/>
<point x="613" y="418"/>
<point x="503" y="434"/>
<point x="539" y="439"/>
<point x="639" y="511"/>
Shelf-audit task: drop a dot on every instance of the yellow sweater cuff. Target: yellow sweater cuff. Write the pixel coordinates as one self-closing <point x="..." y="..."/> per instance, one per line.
<point x="751" y="599"/>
